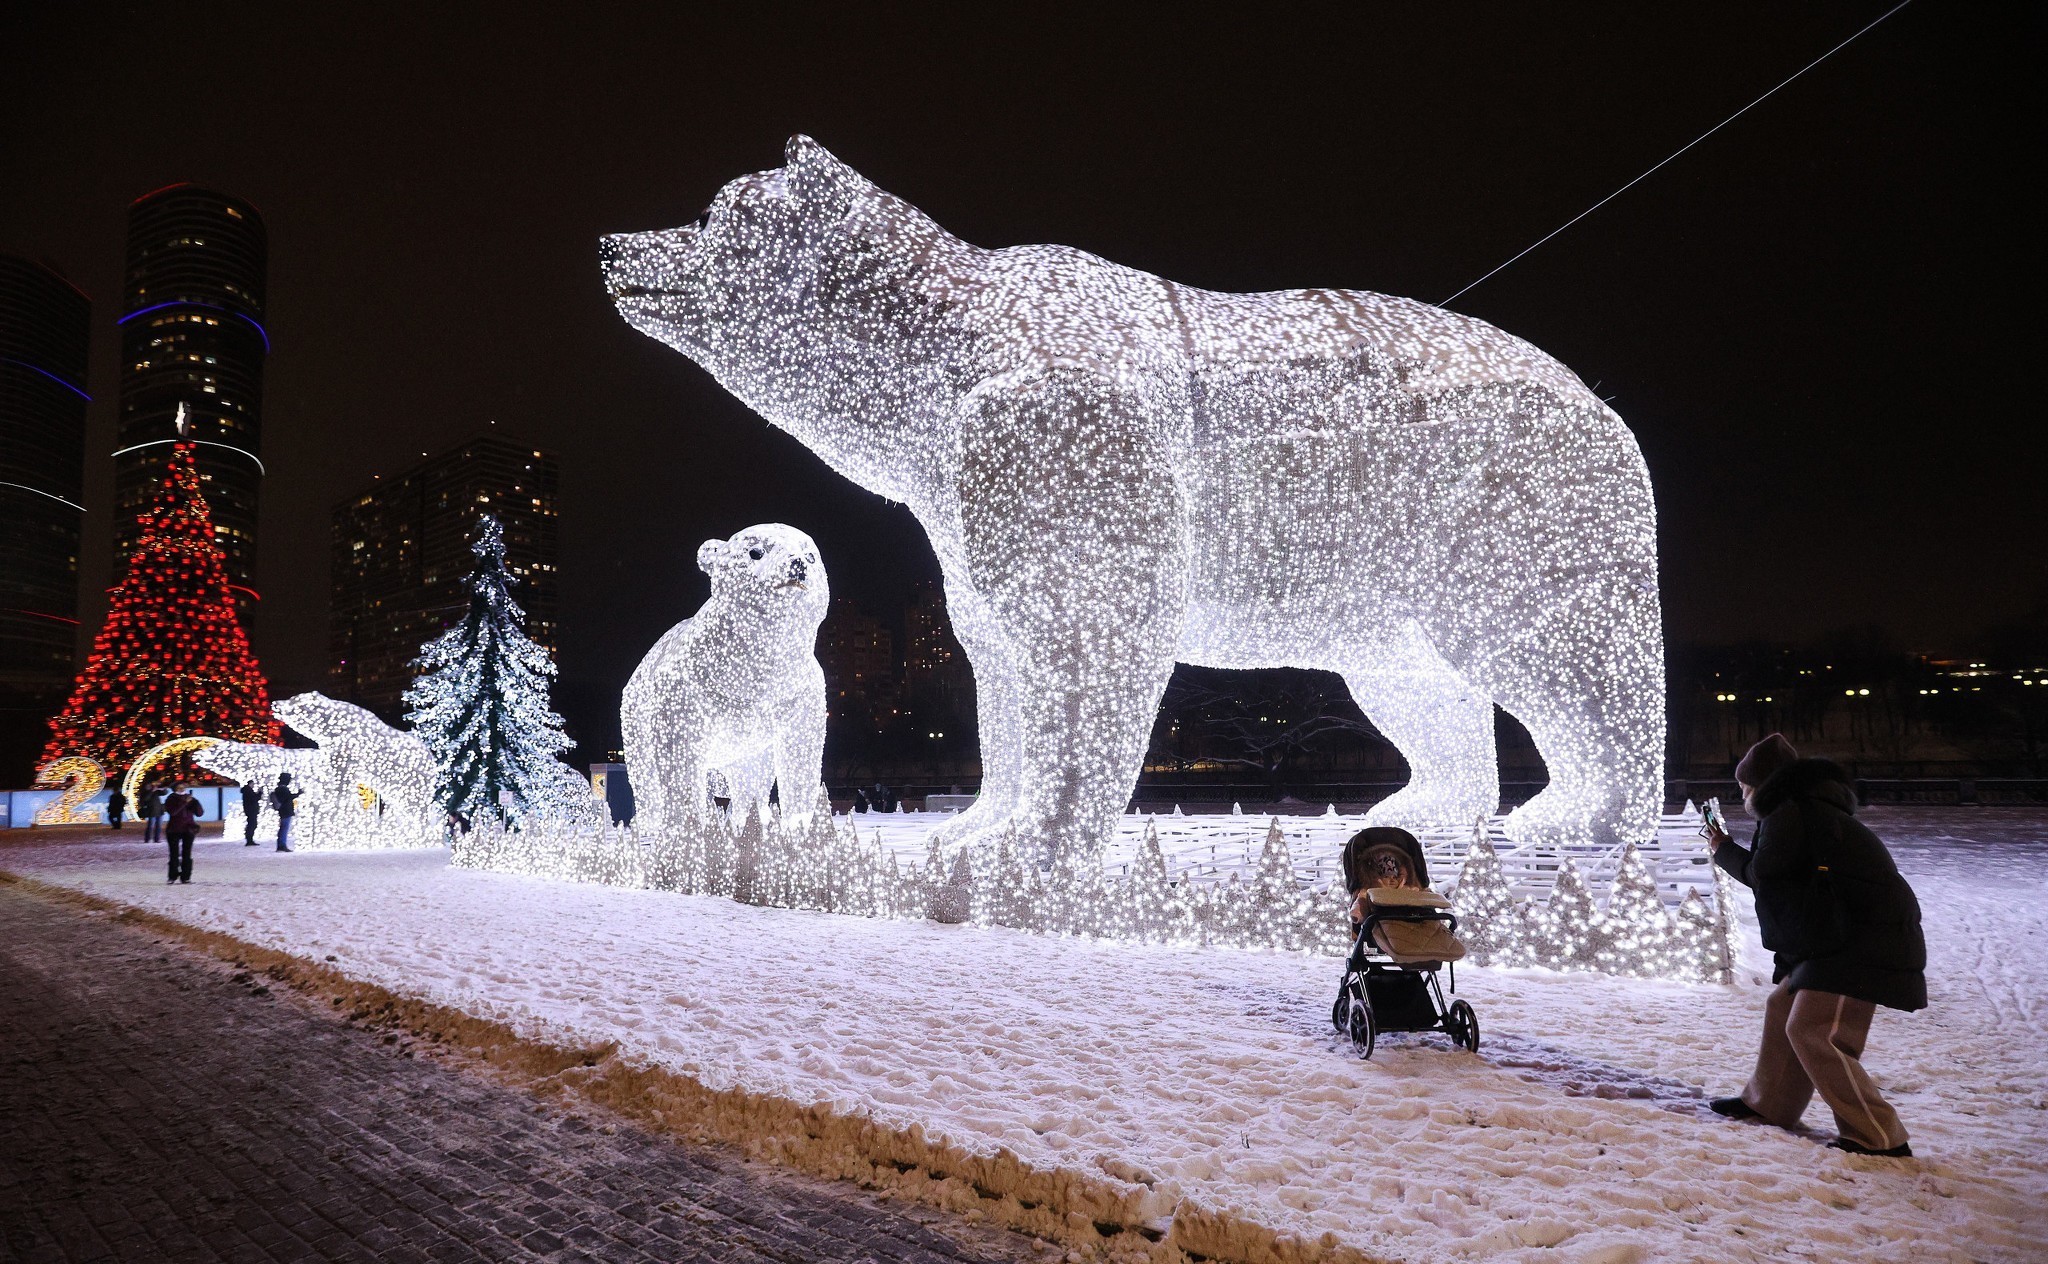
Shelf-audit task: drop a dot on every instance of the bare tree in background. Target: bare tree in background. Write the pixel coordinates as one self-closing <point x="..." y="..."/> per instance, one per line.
<point x="1254" y="719"/>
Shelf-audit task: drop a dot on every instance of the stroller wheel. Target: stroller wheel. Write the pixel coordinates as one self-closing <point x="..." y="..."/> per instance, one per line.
<point x="1360" y="1026"/>
<point x="1463" y="1025"/>
<point x="1340" y="1013"/>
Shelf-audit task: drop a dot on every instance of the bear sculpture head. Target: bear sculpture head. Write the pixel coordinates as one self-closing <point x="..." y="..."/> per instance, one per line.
<point x="809" y="293"/>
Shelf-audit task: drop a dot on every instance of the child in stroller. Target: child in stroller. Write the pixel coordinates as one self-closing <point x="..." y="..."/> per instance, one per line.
<point x="1403" y="933"/>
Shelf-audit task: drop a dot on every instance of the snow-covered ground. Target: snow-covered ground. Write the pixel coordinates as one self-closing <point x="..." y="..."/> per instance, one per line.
<point x="1577" y="1132"/>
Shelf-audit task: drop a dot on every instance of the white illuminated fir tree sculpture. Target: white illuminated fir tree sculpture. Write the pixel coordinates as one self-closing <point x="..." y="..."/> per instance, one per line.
<point x="480" y="701"/>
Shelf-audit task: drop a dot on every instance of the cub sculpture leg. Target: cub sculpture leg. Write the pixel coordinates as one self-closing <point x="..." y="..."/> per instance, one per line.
<point x="657" y="798"/>
<point x="798" y="755"/>
<point x="1091" y="601"/>
<point x="1585" y="677"/>
<point x="1441" y="725"/>
<point x="747" y="780"/>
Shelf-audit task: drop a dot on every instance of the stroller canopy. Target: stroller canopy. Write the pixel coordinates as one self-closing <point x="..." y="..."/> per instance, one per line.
<point x="1382" y="856"/>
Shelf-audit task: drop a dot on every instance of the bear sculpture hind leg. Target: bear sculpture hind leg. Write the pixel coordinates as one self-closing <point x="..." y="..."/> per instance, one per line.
<point x="1441" y="725"/>
<point x="1587" y="682"/>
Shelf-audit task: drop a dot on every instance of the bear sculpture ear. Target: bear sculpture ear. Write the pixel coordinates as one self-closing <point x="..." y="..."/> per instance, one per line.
<point x="709" y="554"/>
<point x="816" y="177"/>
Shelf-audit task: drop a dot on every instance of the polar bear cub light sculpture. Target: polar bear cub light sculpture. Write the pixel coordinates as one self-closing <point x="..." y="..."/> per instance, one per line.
<point x="735" y="688"/>
<point x="357" y="751"/>
<point x="1117" y="471"/>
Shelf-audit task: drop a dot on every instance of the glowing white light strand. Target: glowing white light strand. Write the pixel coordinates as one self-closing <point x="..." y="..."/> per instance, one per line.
<point x="813" y="861"/>
<point x="1117" y="472"/>
<point x="734" y="689"/>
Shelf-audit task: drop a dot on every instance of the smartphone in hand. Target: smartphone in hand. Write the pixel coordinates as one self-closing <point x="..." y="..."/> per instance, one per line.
<point x="1712" y="824"/>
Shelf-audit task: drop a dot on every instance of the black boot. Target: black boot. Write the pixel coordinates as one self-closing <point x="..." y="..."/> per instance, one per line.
<point x="1899" y="1151"/>
<point x="1731" y="1107"/>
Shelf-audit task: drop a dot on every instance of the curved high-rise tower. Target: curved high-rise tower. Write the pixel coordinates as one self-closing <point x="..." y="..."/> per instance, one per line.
<point x="45" y="324"/>
<point x="192" y="333"/>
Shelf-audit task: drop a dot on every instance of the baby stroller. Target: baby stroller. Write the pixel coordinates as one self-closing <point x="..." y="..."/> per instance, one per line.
<point x="1406" y="934"/>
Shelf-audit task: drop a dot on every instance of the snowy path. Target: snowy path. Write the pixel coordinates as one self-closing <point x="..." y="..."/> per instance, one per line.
<point x="1574" y="1135"/>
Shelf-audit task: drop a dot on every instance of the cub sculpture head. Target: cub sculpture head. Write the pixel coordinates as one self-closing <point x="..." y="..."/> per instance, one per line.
<point x="734" y="690"/>
<point x="771" y="571"/>
<point x="1117" y="471"/>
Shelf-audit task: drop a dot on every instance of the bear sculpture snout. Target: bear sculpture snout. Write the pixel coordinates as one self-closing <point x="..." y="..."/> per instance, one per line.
<point x="644" y="265"/>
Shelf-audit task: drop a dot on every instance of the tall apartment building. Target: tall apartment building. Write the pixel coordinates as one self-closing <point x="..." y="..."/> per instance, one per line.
<point x="401" y="549"/>
<point x="45" y="327"/>
<point x="857" y="653"/>
<point x="192" y="333"/>
<point x="935" y="669"/>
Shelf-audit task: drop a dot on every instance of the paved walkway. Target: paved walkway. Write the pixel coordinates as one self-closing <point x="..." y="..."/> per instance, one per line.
<point x="157" y="1105"/>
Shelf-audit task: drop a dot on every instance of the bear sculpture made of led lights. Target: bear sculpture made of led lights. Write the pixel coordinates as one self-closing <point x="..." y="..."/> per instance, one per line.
<point x="357" y="751"/>
<point x="735" y="688"/>
<point x="1117" y="472"/>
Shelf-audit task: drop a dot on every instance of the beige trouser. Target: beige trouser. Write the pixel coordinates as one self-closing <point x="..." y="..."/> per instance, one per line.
<point x="1814" y="1040"/>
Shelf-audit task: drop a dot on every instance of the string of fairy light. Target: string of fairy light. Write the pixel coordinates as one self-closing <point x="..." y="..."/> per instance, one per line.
<point x="812" y="860"/>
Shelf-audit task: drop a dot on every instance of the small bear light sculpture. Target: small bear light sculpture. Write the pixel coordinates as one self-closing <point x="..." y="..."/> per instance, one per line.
<point x="735" y="688"/>
<point x="357" y="752"/>
<point x="1117" y="472"/>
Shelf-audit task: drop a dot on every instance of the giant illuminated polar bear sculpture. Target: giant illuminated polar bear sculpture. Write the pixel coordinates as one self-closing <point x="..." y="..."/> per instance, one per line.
<point x="735" y="688"/>
<point x="1117" y="471"/>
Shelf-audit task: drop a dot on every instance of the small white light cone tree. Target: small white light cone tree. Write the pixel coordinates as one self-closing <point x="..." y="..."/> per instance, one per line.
<point x="1640" y="938"/>
<point x="1567" y="927"/>
<point x="480" y="703"/>
<point x="1153" y="910"/>
<point x="1491" y="920"/>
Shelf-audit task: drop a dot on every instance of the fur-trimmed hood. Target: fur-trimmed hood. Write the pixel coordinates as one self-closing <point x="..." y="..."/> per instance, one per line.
<point x="1822" y="779"/>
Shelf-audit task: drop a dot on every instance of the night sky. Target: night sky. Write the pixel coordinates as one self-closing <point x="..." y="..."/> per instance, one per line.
<point x="1819" y="323"/>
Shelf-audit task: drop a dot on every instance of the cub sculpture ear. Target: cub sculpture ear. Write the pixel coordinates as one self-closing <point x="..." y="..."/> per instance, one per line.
<point x="709" y="554"/>
<point x="815" y="176"/>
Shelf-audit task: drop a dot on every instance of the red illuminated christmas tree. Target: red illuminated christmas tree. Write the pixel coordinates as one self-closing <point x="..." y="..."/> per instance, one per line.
<point x="172" y="659"/>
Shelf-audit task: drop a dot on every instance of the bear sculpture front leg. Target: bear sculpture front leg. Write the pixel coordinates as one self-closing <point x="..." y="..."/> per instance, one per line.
<point x="1083" y="564"/>
<point x="995" y="709"/>
<point x="798" y="752"/>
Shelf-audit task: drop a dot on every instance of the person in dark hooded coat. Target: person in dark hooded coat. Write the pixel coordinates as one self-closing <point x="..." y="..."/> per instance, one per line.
<point x="1845" y="927"/>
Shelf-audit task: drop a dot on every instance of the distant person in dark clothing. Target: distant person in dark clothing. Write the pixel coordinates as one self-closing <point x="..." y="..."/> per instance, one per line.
<point x="284" y="801"/>
<point x="181" y="826"/>
<point x="860" y="800"/>
<point x="1845" y="926"/>
<point x="252" y="807"/>
<point x="117" y="807"/>
<point x="149" y="805"/>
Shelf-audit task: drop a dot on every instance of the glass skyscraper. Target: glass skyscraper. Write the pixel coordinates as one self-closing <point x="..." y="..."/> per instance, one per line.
<point x="45" y="325"/>
<point x="192" y="333"/>
<point x="401" y="551"/>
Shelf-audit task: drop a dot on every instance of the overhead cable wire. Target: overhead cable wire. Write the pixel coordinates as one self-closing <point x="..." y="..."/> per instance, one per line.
<point x="1695" y="140"/>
